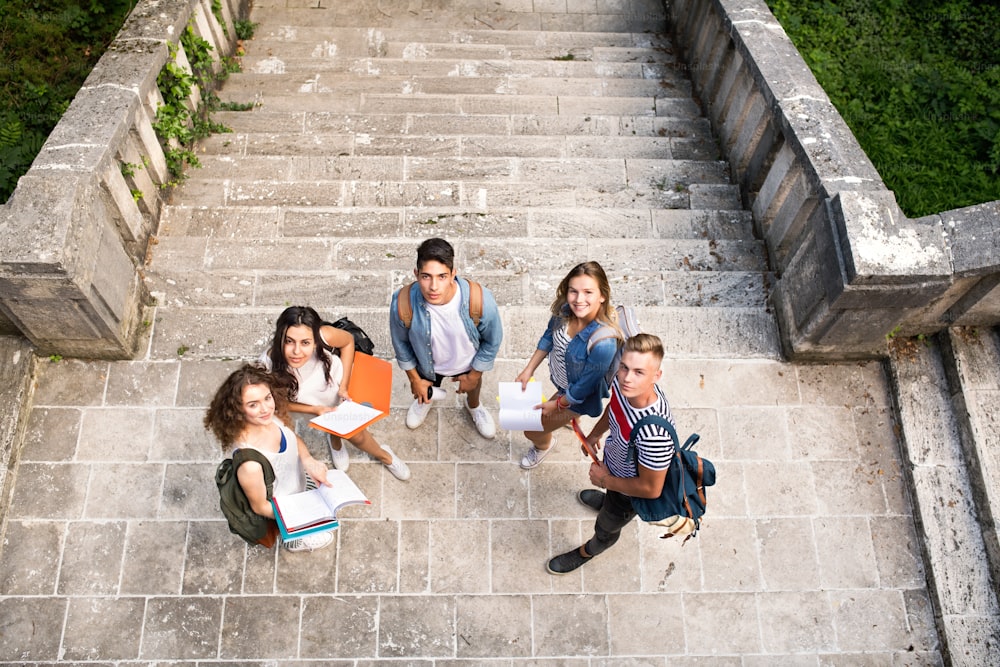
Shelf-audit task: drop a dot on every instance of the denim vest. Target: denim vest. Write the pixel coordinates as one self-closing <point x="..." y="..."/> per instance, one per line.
<point x="413" y="345"/>
<point x="585" y="372"/>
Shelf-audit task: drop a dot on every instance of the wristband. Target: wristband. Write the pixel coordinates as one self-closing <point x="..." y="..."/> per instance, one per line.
<point x="559" y="403"/>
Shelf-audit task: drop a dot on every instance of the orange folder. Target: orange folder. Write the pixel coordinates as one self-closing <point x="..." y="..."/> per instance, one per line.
<point x="371" y="384"/>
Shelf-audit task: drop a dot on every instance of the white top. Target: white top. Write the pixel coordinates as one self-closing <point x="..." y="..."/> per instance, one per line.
<point x="314" y="389"/>
<point x="451" y="349"/>
<point x="289" y="477"/>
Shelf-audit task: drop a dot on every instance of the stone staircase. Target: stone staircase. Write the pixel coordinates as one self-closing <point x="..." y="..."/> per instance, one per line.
<point x="531" y="149"/>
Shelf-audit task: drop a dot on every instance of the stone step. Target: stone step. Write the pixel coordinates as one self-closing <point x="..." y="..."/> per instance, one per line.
<point x="298" y="84"/>
<point x="352" y="147"/>
<point x="667" y="191"/>
<point x="957" y="543"/>
<point x="687" y="333"/>
<point x="538" y="105"/>
<point x="642" y="17"/>
<point x="327" y="41"/>
<point x="17" y="371"/>
<point x="395" y="170"/>
<point x="274" y="124"/>
<point x="457" y="59"/>
<point x="518" y="255"/>
<point x="332" y="289"/>
<point x="261" y="222"/>
<point x="972" y="365"/>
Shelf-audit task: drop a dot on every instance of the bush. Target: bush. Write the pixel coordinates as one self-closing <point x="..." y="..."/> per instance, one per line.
<point x="47" y="49"/>
<point x="918" y="82"/>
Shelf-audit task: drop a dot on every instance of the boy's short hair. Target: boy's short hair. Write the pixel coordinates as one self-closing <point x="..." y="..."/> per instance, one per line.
<point x="436" y="250"/>
<point x="644" y="343"/>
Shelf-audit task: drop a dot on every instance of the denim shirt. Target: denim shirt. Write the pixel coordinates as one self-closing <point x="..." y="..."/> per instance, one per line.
<point x="413" y="345"/>
<point x="584" y="372"/>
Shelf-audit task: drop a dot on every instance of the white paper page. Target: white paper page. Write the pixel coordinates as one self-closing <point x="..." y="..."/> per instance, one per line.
<point x="347" y="417"/>
<point x="300" y="509"/>
<point x="343" y="490"/>
<point x="517" y="411"/>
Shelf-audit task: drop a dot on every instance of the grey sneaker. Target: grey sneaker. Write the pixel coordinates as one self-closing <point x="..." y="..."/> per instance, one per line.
<point x="483" y="420"/>
<point x="311" y="542"/>
<point x="534" y="457"/>
<point x="340" y="457"/>
<point x="399" y="470"/>
<point x="417" y="413"/>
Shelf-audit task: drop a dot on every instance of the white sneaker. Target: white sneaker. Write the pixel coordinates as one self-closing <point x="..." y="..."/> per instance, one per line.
<point x="399" y="470"/>
<point x="340" y="457"/>
<point x="311" y="542"/>
<point x="417" y="413"/>
<point x="483" y="420"/>
<point x="534" y="457"/>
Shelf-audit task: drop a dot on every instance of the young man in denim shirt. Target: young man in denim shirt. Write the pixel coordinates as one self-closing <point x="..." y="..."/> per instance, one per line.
<point x="442" y="339"/>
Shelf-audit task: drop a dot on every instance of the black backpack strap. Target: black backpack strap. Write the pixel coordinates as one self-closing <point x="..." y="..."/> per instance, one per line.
<point x="241" y="456"/>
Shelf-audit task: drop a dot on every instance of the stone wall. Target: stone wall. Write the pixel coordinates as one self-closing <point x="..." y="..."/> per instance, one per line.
<point x="73" y="235"/>
<point x="851" y="268"/>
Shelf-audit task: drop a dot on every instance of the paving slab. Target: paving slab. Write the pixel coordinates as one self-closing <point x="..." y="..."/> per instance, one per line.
<point x="808" y="554"/>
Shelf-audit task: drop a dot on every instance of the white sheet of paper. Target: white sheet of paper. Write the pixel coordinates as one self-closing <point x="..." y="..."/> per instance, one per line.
<point x="517" y="411"/>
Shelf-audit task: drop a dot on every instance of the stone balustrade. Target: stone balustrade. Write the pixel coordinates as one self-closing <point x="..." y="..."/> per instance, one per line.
<point x="851" y="268"/>
<point x="74" y="234"/>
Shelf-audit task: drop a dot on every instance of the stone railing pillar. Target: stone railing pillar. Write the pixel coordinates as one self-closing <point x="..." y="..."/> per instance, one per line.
<point x="74" y="233"/>
<point x="850" y="268"/>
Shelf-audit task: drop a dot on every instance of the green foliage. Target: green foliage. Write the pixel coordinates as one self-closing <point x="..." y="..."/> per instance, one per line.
<point x="177" y="126"/>
<point x="47" y="49"/>
<point x="244" y="29"/>
<point x="236" y="106"/>
<point x="919" y="85"/>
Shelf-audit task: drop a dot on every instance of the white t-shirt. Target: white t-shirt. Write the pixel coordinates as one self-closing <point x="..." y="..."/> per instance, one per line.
<point x="451" y="349"/>
<point x="314" y="388"/>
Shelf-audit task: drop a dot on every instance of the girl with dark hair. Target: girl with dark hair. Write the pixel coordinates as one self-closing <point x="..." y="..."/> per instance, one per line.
<point x="577" y="368"/>
<point x="244" y="413"/>
<point x="301" y="357"/>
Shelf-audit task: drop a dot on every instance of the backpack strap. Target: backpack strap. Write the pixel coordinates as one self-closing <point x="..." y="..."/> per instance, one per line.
<point x="241" y="456"/>
<point x="475" y="302"/>
<point x="602" y="332"/>
<point x="404" y="307"/>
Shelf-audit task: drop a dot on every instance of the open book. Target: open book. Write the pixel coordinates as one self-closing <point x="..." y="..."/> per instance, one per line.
<point x="517" y="408"/>
<point x="315" y="510"/>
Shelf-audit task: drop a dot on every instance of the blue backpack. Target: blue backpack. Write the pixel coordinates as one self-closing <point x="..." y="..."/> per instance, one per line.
<point x="682" y="501"/>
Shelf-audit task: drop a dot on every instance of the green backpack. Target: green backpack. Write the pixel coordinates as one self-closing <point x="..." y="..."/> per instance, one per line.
<point x="243" y="521"/>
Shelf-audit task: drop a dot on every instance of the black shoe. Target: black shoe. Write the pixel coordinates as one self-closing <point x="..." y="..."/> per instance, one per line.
<point x="592" y="498"/>
<point x="567" y="562"/>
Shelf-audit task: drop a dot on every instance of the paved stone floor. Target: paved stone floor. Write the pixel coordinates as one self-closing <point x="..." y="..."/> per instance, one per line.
<point x="114" y="550"/>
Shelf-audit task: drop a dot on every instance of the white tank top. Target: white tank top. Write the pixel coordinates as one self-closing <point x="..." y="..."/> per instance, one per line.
<point x="289" y="477"/>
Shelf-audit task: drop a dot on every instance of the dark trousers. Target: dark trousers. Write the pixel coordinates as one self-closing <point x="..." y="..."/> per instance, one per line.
<point x="614" y="515"/>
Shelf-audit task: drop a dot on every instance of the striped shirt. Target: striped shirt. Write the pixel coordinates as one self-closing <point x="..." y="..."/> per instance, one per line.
<point x="655" y="445"/>
<point x="557" y="358"/>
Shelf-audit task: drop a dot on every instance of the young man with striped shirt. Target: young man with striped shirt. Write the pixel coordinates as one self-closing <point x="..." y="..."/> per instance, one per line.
<point x="634" y="395"/>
